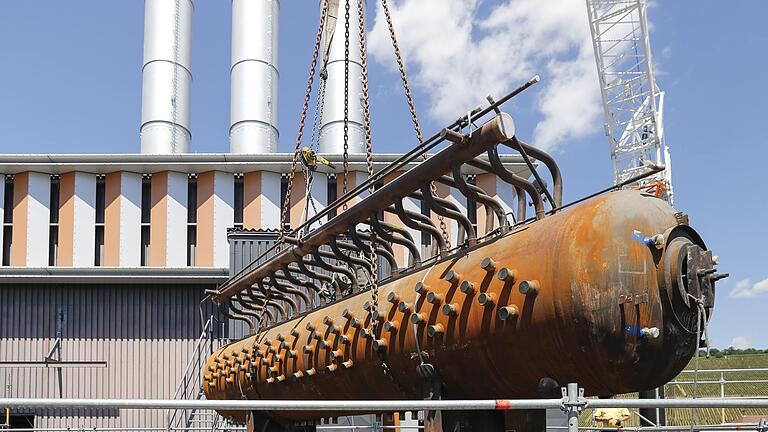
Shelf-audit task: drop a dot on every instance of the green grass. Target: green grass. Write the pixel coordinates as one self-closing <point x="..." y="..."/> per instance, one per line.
<point x="687" y="416"/>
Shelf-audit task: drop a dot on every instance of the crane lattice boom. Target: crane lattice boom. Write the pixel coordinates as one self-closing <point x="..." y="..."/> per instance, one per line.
<point x="632" y="102"/>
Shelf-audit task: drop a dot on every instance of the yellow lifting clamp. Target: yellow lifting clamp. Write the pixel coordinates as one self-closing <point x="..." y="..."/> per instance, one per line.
<point x="310" y="158"/>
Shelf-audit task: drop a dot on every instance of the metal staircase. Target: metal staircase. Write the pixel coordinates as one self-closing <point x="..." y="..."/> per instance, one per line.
<point x="190" y="388"/>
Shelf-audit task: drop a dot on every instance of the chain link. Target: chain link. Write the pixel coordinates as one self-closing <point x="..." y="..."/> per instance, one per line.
<point x="412" y="108"/>
<point x="302" y="119"/>
<point x="346" y="99"/>
<point x="368" y="151"/>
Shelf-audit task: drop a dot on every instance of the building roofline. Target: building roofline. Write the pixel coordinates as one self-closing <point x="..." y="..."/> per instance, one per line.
<point x="122" y="275"/>
<point x="191" y="162"/>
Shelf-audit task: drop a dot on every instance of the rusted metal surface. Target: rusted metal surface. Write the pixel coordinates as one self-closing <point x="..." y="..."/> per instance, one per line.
<point x="572" y="297"/>
<point x="498" y="130"/>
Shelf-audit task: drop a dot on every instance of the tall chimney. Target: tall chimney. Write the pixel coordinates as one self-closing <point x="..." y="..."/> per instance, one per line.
<point x="166" y="76"/>
<point x="332" y="124"/>
<point x="254" y="76"/>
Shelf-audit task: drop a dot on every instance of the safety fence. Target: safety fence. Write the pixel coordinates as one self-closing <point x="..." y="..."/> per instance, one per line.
<point x="572" y="403"/>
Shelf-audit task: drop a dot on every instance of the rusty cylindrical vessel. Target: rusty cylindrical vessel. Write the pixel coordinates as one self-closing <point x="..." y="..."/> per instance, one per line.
<point x="605" y="293"/>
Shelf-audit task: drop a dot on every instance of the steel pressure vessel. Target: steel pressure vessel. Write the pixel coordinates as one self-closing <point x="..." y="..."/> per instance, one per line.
<point x="605" y="293"/>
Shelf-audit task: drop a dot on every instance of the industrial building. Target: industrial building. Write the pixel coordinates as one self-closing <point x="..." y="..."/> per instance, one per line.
<point x="107" y="257"/>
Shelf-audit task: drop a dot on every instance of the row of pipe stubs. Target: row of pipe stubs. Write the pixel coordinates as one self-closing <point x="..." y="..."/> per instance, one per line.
<point x="487" y="299"/>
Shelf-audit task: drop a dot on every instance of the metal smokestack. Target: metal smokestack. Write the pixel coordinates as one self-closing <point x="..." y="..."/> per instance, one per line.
<point x="166" y="76"/>
<point x="332" y="124"/>
<point x="254" y="76"/>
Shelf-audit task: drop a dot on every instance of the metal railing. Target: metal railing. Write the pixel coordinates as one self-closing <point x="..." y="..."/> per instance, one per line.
<point x="572" y="403"/>
<point x="723" y="381"/>
<point x="189" y="387"/>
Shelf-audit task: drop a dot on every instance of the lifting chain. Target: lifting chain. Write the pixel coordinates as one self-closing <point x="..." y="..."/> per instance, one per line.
<point x="314" y="141"/>
<point x="346" y="100"/>
<point x="368" y="149"/>
<point x="412" y="108"/>
<point x="369" y="165"/>
<point x="302" y="119"/>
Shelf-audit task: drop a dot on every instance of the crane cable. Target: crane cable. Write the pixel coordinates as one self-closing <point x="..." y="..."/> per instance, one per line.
<point x="412" y="108"/>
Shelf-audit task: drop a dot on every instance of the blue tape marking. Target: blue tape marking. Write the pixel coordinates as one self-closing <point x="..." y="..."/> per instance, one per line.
<point x="638" y="236"/>
<point x="632" y="330"/>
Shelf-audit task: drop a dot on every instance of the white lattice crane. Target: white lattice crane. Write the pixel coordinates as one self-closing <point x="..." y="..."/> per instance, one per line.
<point x="632" y="102"/>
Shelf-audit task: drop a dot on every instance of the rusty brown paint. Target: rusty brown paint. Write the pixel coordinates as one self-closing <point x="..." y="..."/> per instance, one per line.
<point x="572" y="329"/>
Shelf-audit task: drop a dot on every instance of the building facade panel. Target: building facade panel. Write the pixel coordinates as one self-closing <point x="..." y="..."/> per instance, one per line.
<point x="215" y="213"/>
<point x="168" y="244"/>
<point x="142" y="334"/>
<point x="77" y="220"/>
<point x="262" y="204"/>
<point x="31" y="219"/>
<point x="2" y="219"/>
<point x="122" y="219"/>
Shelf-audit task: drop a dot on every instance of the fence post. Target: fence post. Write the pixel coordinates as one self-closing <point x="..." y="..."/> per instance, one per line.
<point x="722" y="395"/>
<point x="573" y="402"/>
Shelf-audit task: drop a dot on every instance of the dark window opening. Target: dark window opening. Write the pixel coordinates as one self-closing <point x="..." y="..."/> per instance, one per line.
<point x="145" y="245"/>
<point x="426" y="238"/>
<point x="98" y="253"/>
<point x="53" y="244"/>
<point x="7" y="242"/>
<point x="332" y="194"/>
<point x="191" y="219"/>
<point x="239" y="200"/>
<point x="191" y="244"/>
<point x="7" y="220"/>
<point x="53" y="234"/>
<point x="8" y="200"/>
<point x="21" y="421"/>
<point x="146" y="198"/>
<point x="146" y="212"/>
<point x="192" y="199"/>
<point x="283" y="193"/>
<point x="54" y="199"/>
<point x="100" y="199"/>
<point x="472" y="206"/>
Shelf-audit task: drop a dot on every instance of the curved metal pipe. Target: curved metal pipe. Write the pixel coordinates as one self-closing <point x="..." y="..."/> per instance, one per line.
<point x="549" y="162"/>
<point x="521" y="204"/>
<point x="336" y="246"/>
<point x="407" y="240"/>
<point x="288" y="275"/>
<point x="440" y="207"/>
<point x="519" y="192"/>
<point x="264" y="304"/>
<point x="318" y="254"/>
<point x="477" y="194"/>
<point x="290" y="290"/>
<point x="311" y="273"/>
<point x="516" y="180"/>
<point x="235" y="316"/>
<point x="273" y="303"/>
<point x="419" y="222"/>
<point x="358" y="237"/>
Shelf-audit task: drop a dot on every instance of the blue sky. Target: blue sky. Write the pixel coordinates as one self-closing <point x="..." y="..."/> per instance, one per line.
<point x="70" y="82"/>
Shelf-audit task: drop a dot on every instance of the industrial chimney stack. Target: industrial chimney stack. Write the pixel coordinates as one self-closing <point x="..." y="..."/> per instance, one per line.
<point x="254" y="76"/>
<point x="166" y="76"/>
<point x="332" y="124"/>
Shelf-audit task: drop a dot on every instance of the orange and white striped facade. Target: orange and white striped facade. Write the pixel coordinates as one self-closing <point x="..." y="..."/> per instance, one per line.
<point x="165" y="211"/>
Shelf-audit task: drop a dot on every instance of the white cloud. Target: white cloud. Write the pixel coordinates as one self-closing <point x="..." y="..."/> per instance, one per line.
<point x="457" y="57"/>
<point x="746" y="289"/>
<point x="741" y="342"/>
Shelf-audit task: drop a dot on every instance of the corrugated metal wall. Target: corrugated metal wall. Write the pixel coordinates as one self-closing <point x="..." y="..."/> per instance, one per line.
<point x="144" y="332"/>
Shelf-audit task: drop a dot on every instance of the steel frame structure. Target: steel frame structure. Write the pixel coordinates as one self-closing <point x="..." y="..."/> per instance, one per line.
<point x="632" y="102"/>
